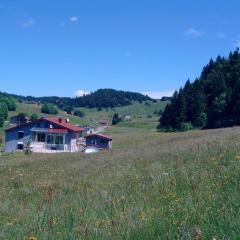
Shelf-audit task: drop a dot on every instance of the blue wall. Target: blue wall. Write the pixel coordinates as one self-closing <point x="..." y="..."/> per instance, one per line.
<point x="97" y="141"/>
<point x="11" y="139"/>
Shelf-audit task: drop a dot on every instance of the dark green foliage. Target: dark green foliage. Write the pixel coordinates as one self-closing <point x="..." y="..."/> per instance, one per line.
<point x="1" y="120"/>
<point x="166" y="98"/>
<point x="3" y="112"/>
<point x="102" y="98"/>
<point x="79" y="113"/>
<point x="68" y="109"/>
<point x="49" y="109"/>
<point x="11" y="104"/>
<point x="211" y="101"/>
<point x="185" y="126"/>
<point x="116" y="119"/>
<point x="33" y="117"/>
<point x="22" y="118"/>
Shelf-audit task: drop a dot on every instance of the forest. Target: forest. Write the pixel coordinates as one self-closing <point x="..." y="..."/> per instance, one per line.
<point x="102" y="98"/>
<point x="211" y="101"/>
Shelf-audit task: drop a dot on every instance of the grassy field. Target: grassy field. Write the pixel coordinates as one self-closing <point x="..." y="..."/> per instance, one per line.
<point x="143" y="115"/>
<point x="150" y="186"/>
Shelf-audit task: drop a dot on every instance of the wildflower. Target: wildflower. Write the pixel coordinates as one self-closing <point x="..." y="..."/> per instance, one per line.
<point x="32" y="238"/>
<point x="197" y="234"/>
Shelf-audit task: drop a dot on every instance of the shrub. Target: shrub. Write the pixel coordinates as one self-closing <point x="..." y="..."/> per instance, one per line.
<point x="11" y="104"/>
<point x="33" y="117"/>
<point x="3" y="110"/>
<point x="116" y="119"/>
<point x="49" y="108"/>
<point x="185" y="126"/>
<point x="79" y="113"/>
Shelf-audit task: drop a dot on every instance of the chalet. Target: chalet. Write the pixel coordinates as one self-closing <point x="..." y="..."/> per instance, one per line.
<point x="99" y="140"/>
<point x="46" y="134"/>
<point x="19" y="119"/>
<point x="103" y="123"/>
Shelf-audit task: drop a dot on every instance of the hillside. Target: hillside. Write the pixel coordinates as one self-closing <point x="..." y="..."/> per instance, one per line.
<point x="150" y="186"/>
<point x="211" y="101"/>
<point x="102" y="98"/>
<point x="143" y="115"/>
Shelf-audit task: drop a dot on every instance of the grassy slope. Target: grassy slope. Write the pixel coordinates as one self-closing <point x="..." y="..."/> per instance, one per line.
<point x="150" y="186"/>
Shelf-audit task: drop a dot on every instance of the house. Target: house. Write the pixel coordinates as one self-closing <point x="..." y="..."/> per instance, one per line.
<point x="89" y="129"/>
<point x="103" y="123"/>
<point x="99" y="140"/>
<point x="46" y="134"/>
<point x="19" y="119"/>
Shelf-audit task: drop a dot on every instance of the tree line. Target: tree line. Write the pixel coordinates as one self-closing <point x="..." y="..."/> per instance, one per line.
<point x="102" y="98"/>
<point x="211" y="101"/>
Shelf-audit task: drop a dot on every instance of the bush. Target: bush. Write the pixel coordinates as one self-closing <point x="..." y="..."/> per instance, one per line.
<point x="68" y="109"/>
<point x="202" y="120"/>
<point x="49" y="108"/>
<point x="11" y="104"/>
<point x="79" y="113"/>
<point x="33" y="117"/>
<point x="185" y="126"/>
<point x="1" y="121"/>
<point x="116" y="119"/>
<point x="3" y="110"/>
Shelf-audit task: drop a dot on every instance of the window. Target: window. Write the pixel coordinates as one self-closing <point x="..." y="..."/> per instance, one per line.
<point x="39" y="125"/>
<point x="50" y="139"/>
<point x="20" y="134"/>
<point x="46" y="125"/>
<point x="59" y="140"/>
<point x="41" y="137"/>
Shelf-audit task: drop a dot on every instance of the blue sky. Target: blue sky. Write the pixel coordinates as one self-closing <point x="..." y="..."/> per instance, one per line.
<point x="60" y="47"/>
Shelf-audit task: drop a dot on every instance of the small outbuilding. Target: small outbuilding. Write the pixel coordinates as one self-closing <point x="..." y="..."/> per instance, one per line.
<point x="99" y="140"/>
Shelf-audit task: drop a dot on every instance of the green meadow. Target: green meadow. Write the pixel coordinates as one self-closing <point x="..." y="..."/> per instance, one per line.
<point x="149" y="186"/>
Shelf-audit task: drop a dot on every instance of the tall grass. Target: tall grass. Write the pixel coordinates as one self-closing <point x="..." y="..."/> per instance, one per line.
<point x="151" y="186"/>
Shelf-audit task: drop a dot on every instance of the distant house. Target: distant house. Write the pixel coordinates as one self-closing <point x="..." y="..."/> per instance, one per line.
<point x="19" y="119"/>
<point x="44" y="135"/>
<point x="127" y="117"/>
<point x="89" y="129"/>
<point x="99" y="140"/>
<point x="103" y="123"/>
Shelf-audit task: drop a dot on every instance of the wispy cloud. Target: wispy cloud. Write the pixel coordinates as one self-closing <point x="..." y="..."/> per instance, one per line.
<point x="74" y="19"/>
<point x="29" y="23"/>
<point x="160" y="94"/>
<point x="80" y="93"/>
<point x="192" y="32"/>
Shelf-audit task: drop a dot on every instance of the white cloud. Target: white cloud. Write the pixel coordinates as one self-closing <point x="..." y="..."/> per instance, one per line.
<point x="160" y="94"/>
<point x="221" y="35"/>
<point x="192" y="32"/>
<point x="74" y="19"/>
<point x="29" y="23"/>
<point x="80" y="93"/>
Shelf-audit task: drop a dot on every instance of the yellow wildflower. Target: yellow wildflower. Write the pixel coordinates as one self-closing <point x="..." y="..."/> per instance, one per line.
<point x="32" y="238"/>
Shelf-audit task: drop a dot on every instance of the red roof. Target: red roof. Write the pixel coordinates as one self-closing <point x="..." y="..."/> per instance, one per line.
<point x="104" y="136"/>
<point x="63" y="124"/>
<point x="66" y="125"/>
<point x="57" y="130"/>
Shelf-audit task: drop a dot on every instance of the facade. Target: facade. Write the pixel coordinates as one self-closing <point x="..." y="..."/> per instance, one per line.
<point x="44" y="135"/>
<point x="99" y="140"/>
<point x="103" y="123"/>
<point x="19" y="119"/>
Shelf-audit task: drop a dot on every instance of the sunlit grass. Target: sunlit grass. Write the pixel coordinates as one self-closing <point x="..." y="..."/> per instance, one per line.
<point x="151" y="186"/>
